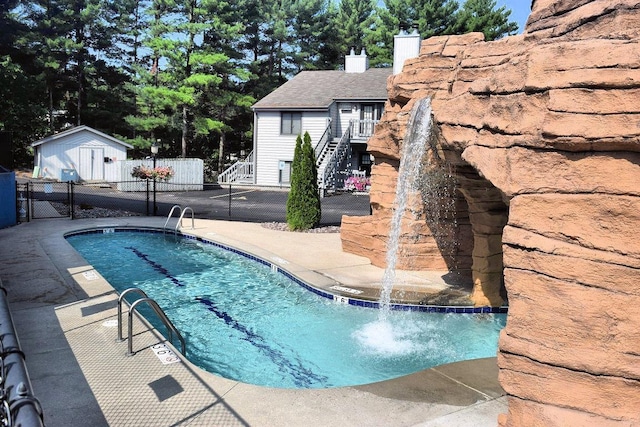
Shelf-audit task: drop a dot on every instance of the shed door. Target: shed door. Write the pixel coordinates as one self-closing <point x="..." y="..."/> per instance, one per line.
<point x="91" y="164"/>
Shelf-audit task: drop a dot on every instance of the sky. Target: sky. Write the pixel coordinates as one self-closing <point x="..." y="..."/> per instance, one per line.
<point x="520" y="10"/>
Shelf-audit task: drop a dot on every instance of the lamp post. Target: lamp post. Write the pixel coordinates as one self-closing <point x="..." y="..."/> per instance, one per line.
<point x="154" y="153"/>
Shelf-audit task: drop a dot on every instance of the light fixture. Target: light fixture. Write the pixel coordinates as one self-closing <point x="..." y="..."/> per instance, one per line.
<point x="154" y="148"/>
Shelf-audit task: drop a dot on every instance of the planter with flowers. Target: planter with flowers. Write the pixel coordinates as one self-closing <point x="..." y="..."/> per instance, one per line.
<point x="357" y="184"/>
<point x="159" y="173"/>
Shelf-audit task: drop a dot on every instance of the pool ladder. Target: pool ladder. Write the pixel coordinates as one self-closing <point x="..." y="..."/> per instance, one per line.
<point x="156" y="308"/>
<point x="181" y="212"/>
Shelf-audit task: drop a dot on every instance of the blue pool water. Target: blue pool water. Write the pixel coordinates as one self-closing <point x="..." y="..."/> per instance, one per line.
<point x="246" y="322"/>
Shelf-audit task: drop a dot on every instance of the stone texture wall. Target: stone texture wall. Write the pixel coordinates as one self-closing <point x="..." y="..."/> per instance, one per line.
<point x="543" y="132"/>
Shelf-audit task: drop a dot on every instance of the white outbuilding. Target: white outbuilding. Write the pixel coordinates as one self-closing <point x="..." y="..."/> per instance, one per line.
<point x="79" y="154"/>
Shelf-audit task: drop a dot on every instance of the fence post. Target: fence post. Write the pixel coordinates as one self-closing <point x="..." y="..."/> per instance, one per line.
<point x="22" y="202"/>
<point x="147" y="200"/>
<point x="29" y="201"/>
<point x="71" y="199"/>
<point x="229" y="199"/>
<point x="155" y="206"/>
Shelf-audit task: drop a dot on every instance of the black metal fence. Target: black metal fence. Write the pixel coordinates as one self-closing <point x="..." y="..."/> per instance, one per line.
<point x="43" y="199"/>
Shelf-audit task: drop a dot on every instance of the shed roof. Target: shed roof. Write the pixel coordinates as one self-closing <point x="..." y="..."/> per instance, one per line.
<point x="64" y="134"/>
<point x="319" y="89"/>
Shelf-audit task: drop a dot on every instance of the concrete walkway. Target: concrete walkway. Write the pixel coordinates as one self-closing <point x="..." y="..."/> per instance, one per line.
<point x="64" y="315"/>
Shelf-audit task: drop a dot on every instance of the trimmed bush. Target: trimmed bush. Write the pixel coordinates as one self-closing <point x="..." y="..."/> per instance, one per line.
<point x="303" y="203"/>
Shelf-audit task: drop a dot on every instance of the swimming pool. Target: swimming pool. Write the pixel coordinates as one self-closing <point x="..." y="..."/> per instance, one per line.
<point x="245" y="320"/>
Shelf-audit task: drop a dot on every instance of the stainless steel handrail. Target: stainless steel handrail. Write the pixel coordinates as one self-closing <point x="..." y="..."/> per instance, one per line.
<point x="120" y="299"/>
<point x="171" y="213"/>
<point x="179" y="224"/>
<point x="159" y="312"/>
<point x="170" y="327"/>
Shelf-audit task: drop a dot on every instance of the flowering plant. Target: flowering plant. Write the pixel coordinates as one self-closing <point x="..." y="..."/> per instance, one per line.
<point x="162" y="173"/>
<point x="356" y="183"/>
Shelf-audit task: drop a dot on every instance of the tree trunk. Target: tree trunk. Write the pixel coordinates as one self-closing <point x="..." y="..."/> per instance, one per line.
<point x="185" y="130"/>
<point x="221" y="152"/>
<point x="51" y="118"/>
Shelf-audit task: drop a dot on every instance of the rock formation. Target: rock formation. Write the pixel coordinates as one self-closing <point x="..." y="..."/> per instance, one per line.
<point x="542" y="133"/>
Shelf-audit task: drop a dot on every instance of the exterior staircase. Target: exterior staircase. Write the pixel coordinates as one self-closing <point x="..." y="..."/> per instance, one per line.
<point x="241" y="172"/>
<point x="332" y="162"/>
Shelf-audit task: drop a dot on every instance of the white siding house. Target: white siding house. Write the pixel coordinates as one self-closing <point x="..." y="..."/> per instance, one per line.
<point x="80" y="153"/>
<point x="339" y="109"/>
<point x="275" y="153"/>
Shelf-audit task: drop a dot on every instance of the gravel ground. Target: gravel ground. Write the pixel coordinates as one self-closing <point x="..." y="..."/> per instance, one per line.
<point x="91" y="212"/>
<point x="283" y="226"/>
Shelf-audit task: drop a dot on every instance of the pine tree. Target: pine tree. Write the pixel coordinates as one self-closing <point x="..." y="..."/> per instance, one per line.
<point x="388" y="20"/>
<point x="433" y="18"/>
<point x="353" y="21"/>
<point x="52" y="49"/>
<point x="481" y="15"/>
<point x="221" y="106"/>
<point x="309" y="25"/>
<point x="22" y="106"/>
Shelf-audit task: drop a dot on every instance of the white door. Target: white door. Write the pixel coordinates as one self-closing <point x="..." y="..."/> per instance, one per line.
<point x="91" y="164"/>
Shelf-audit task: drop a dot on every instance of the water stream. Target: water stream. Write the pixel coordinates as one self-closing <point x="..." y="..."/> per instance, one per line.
<point x="415" y="142"/>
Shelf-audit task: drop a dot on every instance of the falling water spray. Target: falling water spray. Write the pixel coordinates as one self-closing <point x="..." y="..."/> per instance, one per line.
<point x="416" y="139"/>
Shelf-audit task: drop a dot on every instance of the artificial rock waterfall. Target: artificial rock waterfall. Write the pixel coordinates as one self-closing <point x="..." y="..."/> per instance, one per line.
<point x="542" y="134"/>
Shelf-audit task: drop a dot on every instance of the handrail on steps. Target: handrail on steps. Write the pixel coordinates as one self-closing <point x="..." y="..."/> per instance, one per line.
<point x="156" y="308"/>
<point x="171" y="213"/>
<point x="179" y="224"/>
<point x="120" y="299"/>
<point x="182" y="212"/>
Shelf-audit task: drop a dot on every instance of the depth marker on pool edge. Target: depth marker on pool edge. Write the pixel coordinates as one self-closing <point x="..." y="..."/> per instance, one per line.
<point x="165" y="354"/>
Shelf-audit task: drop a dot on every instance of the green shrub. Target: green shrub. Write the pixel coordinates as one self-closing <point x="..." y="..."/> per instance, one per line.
<point x="303" y="203"/>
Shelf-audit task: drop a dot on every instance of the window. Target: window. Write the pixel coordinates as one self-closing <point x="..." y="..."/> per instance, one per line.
<point x="284" y="167"/>
<point x="291" y="123"/>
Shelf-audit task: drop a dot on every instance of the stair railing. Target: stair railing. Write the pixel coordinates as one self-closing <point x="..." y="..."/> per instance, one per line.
<point x="323" y="145"/>
<point x="156" y="308"/>
<point x="337" y="158"/>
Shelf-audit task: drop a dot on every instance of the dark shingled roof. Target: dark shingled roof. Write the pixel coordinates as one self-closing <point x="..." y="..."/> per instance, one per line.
<point x="318" y="89"/>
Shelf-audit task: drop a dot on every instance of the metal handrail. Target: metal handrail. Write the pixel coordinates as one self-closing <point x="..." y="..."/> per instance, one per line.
<point x="120" y="299"/>
<point x="163" y="317"/>
<point x="179" y="224"/>
<point x="154" y="305"/>
<point x="323" y="143"/>
<point x="171" y="213"/>
<point x="338" y="155"/>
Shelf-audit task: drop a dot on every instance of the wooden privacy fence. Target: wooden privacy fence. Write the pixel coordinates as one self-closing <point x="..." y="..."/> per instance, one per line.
<point x="189" y="173"/>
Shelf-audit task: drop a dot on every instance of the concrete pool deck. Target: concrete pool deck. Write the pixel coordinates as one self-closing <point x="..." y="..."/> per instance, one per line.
<point x="63" y="313"/>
